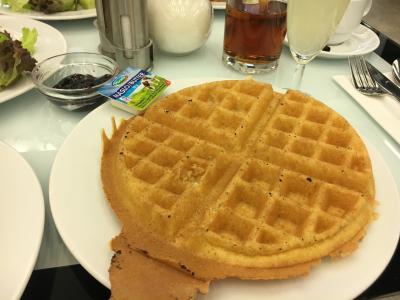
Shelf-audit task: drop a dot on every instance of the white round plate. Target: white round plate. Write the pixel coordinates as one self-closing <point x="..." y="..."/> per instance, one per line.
<point x="21" y="222"/>
<point x="50" y="42"/>
<point x="66" y="15"/>
<point x="87" y="224"/>
<point x="218" y="4"/>
<point x="362" y="41"/>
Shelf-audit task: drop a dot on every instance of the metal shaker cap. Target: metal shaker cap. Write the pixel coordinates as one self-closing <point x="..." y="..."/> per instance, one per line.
<point x="123" y="26"/>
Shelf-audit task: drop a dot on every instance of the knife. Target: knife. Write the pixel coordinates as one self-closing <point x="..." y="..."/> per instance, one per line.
<point x="385" y="83"/>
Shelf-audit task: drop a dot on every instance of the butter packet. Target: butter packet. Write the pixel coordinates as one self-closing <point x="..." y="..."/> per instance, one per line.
<point x="134" y="89"/>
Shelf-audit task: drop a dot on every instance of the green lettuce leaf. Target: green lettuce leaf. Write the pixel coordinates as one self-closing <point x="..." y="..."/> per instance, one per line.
<point x="29" y="38"/>
<point x="17" y="5"/>
<point x="3" y="37"/>
<point x="87" y="4"/>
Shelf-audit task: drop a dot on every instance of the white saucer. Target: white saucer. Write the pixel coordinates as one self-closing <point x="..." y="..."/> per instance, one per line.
<point x="362" y="41"/>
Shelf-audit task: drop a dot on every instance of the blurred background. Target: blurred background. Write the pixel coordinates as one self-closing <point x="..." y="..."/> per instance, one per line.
<point x="384" y="17"/>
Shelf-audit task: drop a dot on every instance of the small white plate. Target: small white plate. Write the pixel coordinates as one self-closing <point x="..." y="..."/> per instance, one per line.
<point x="87" y="224"/>
<point x="50" y="42"/>
<point x="66" y="15"/>
<point x="21" y="222"/>
<point x="362" y="41"/>
<point x="218" y="4"/>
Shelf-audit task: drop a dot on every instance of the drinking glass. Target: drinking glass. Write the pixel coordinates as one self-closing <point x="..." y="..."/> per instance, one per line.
<point x="254" y="34"/>
<point x="310" y="23"/>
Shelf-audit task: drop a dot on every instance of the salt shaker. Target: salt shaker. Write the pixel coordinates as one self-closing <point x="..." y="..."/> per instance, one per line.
<point x="179" y="26"/>
<point x="123" y="28"/>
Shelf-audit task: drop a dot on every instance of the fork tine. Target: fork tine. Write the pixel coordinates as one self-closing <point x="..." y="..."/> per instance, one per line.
<point x="361" y="77"/>
<point x="374" y="84"/>
<point x="353" y="71"/>
<point x="361" y="73"/>
<point x="371" y="84"/>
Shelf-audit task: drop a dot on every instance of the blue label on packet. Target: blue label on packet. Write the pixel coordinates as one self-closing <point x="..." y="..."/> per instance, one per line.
<point x="135" y="87"/>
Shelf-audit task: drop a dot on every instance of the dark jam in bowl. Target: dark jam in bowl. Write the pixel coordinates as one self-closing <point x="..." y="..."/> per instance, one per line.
<point x="76" y="92"/>
<point x="80" y="81"/>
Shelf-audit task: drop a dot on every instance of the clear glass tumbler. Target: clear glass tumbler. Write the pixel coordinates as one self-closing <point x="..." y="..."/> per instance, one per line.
<point x="254" y="34"/>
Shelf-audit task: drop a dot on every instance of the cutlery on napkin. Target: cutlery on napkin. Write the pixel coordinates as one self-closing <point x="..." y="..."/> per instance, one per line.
<point x="385" y="110"/>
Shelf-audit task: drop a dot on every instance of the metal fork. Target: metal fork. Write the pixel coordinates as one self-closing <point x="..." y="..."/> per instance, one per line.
<point x="361" y="77"/>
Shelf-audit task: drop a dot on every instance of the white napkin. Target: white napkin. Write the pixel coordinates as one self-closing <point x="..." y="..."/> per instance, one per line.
<point x="384" y="109"/>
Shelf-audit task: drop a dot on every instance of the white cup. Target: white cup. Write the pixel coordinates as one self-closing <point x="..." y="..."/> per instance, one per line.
<point x="356" y="10"/>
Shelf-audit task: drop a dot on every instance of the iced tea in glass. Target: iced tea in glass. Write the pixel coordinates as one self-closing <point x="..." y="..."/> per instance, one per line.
<point x="254" y="34"/>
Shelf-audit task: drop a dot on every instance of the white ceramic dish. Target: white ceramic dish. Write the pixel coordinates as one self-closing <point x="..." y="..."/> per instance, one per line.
<point x="67" y="15"/>
<point x="218" y="5"/>
<point x="87" y="224"/>
<point x="21" y="222"/>
<point x="50" y="42"/>
<point x="362" y="41"/>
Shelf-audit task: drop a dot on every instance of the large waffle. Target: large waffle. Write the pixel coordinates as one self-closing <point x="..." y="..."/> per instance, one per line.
<point x="231" y="178"/>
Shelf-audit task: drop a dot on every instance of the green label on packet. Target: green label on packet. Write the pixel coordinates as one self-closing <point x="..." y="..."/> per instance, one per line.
<point x="151" y="90"/>
<point x="134" y="89"/>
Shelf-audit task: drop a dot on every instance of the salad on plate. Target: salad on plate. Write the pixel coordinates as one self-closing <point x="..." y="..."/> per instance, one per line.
<point x="48" y="6"/>
<point x="16" y="55"/>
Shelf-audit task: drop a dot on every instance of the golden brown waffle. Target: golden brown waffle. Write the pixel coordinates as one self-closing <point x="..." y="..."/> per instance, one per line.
<point x="133" y="275"/>
<point x="231" y="178"/>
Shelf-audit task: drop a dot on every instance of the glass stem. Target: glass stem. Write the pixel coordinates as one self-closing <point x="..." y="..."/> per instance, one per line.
<point x="298" y="76"/>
